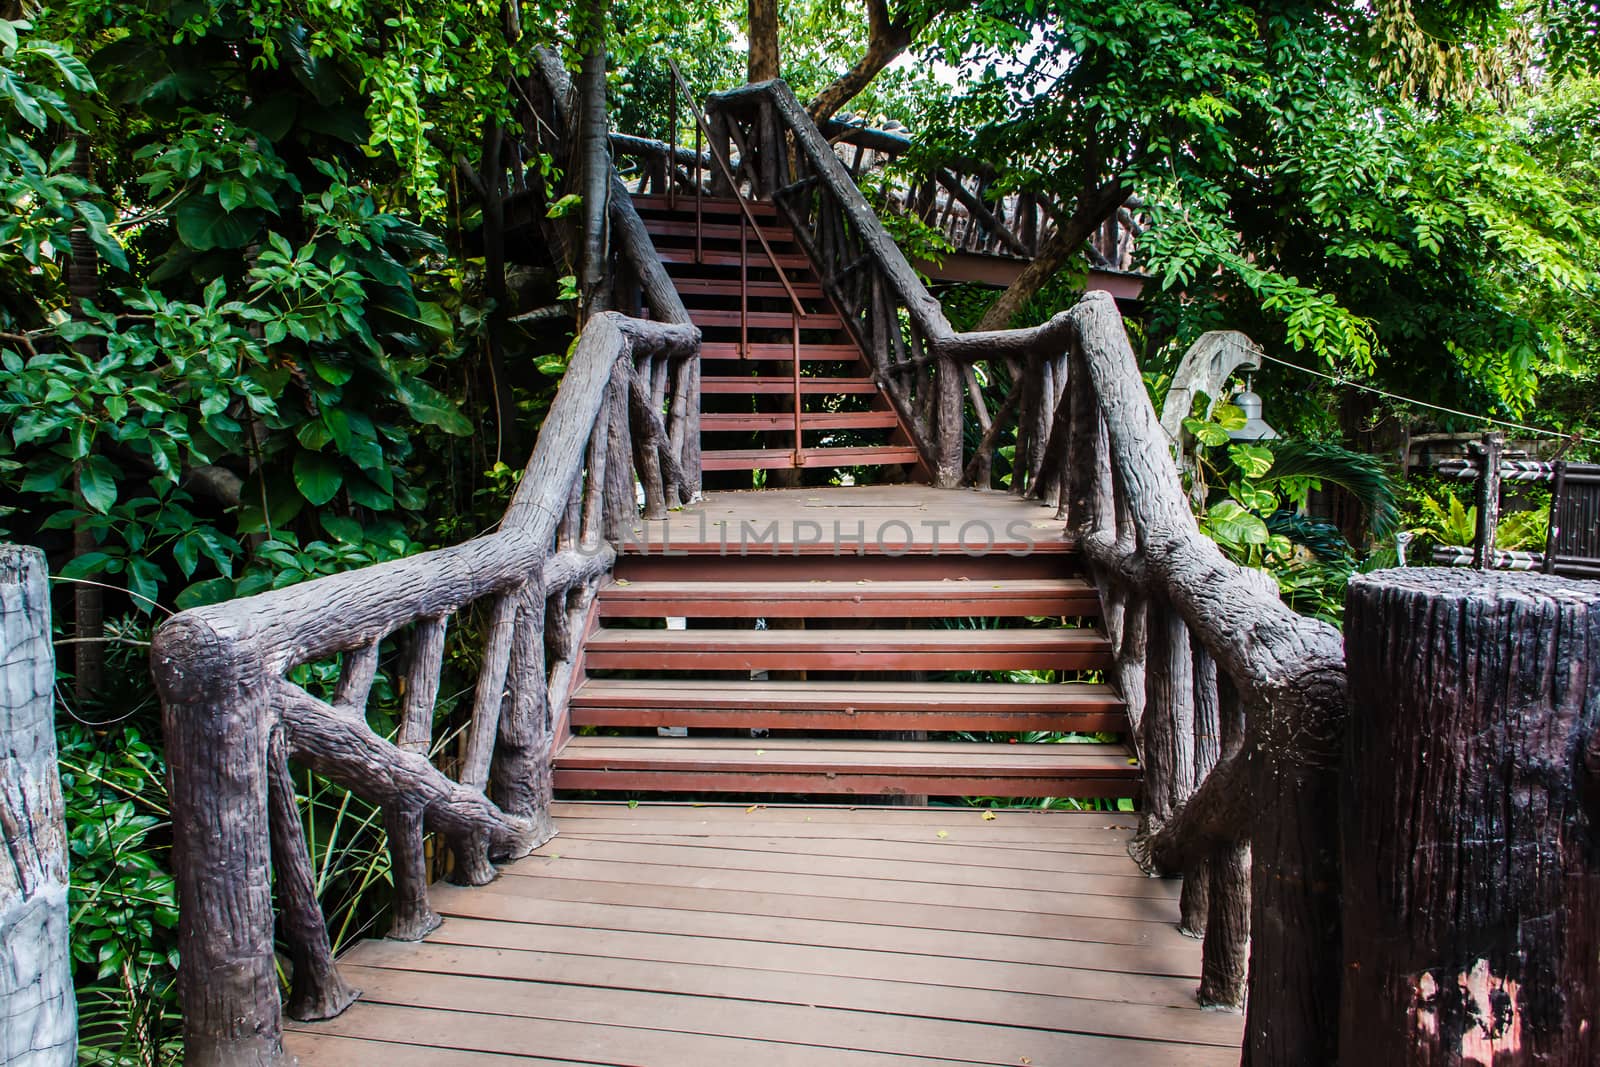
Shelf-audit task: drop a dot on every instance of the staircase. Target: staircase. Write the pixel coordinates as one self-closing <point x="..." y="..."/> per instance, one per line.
<point x="825" y="676"/>
<point x="780" y="390"/>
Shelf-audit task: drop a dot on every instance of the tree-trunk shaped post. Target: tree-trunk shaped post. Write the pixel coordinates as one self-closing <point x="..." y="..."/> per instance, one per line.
<point x="1471" y="820"/>
<point x="36" y="998"/>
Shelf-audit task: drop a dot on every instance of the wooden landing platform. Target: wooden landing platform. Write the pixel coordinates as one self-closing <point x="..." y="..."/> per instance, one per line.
<point x="840" y="520"/>
<point x="710" y="935"/>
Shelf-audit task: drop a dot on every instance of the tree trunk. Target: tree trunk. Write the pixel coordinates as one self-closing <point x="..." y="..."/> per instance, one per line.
<point x="594" y="157"/>
<point x="889" y="38"/>
<point x="1470" y="807"/>
<point x="36" y="997"/>
<point x="1094" y="207"/>
<point x="763" y="40"/>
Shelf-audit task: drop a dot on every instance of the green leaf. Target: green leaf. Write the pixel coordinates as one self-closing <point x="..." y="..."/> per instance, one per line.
<point x="1253" y="460"/>
<point x="1229" y="417"/>
<point x="97" y="482"/>
<point x="343" y="528"/>
<point x="1207" y="433"/>
<point x="210" y="591"/>
<point x="317" y="477"/>
<point x="429" y="406"/>
<point x="1231" y="524"/>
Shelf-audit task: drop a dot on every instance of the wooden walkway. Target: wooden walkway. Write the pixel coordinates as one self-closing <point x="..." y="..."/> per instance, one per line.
<point x="705" y="935"/>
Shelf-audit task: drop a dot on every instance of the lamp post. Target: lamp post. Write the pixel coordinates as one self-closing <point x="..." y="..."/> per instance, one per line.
<point x="1255" y="428"/>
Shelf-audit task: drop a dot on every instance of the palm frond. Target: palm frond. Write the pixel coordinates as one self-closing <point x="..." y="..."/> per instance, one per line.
<point x="1360" y="475"/>
<point x="1320" y="537"/>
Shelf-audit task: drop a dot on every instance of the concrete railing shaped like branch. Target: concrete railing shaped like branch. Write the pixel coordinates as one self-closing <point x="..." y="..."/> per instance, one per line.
<point x="234" y="720"/>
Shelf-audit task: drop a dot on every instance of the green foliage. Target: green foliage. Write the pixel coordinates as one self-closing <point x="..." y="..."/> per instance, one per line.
<point x="122" y="900"/>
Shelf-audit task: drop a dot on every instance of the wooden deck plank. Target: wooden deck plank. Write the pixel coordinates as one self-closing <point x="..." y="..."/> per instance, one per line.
<point x="821" y="987"/>
<point x="1175" y="955"/>
<point x="1004" y="862"/>
<point x="1053" y="825"/>
<point x="957" y="833"/>
<point x="538" y="871"/>
<point x="790" y="936"/>
<point x="751" y="957"/>
<point x="582" y="1042"/>
<point x="951" y="870"/>
<point x="773" y="1024"/>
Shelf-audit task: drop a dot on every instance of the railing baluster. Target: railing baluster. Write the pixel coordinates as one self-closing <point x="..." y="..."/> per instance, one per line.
<point x="490" y="694"/>
<point x="1169" y="717"/>
<point x="1224" y="957"/>
<point x="359" y="671"/>
<point x="521" y="770"/>
<point x="1194" y="905"/>
<point x="621" y="511"/>
<point x="594" y="480"/>
<point x="413" y="916"/>
<point x="316" y="989"/>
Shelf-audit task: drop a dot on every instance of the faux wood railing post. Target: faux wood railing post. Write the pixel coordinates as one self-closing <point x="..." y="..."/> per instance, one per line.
<point x="1471" y="818"/>
<point x="1488" y="500"/>
<point x="36" y="1000"/>
<point x="216" y="718"/>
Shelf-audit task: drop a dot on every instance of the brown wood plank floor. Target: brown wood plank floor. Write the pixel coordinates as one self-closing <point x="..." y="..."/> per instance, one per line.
<point x="703" y="935"/>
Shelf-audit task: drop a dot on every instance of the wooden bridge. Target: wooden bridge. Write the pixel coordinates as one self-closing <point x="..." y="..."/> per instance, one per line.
<point x="743" y="892"/>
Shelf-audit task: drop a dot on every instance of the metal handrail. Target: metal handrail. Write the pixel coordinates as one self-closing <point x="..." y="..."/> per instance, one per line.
<point x="718" y="157"/>
<point x="747" y="219"/>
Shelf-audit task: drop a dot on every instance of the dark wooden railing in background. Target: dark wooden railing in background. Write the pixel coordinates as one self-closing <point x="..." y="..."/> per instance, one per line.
<point x="1572" y="537"/>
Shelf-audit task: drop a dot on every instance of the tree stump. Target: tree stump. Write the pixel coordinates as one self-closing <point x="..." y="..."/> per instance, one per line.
<point x="1470" y="810"/>
<point x="36" y="1000"/>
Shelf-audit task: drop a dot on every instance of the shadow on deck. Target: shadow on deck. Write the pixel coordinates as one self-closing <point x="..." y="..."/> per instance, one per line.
<point x="721" y="934"/>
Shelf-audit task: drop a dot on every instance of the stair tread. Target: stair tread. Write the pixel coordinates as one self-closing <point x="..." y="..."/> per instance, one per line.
<point x="953" y="589"/>
<point x="847" y="755"/>
<point x="735" y="421"/>
<point x="684" y="204"/>
<point x="781" y="458"/>
<point x="702" y="640"/>
<point x="662" y="692"/>
<point x="810" y="386"/>
<point x="765" y="320"/>
<point x="779" y="350"/>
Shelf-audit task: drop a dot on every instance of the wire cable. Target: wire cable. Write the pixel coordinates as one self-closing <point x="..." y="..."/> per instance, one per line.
<point x="1340" y="380"/>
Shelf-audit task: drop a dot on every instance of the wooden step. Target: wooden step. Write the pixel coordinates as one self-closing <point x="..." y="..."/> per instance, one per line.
<point x="843" y="558"/>
<point x="673" y="226"/>
<point x="740" y="422"/>
<point x="779" y="351"/>
<point x="846" y="650"/>
<point x="684" y="205"/>
<point x="857" y="705"/>
<point x="690" y="288"/>
<point x="764" y="320"/>
<point x="749" y="459"/>
<point x="849" y="599"/>
<point x="757" y="260"/>
<point x="808" y="386"/>
<point x="850" y="766"/>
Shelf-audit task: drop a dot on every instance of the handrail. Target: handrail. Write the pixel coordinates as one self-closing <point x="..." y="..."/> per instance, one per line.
<point x="233" y="718"/>
<point x="719" y="157"/>
<point x="1237" y="702"/>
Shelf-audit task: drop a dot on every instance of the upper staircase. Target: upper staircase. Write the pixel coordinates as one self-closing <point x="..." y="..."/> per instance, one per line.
<point x="783" y="386"/>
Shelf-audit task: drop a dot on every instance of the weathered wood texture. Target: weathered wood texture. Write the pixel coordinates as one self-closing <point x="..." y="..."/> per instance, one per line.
<point x="825" y="937"/>
<point x="220" y="671"/>
<point x="1280" y="788"/>
<point x="36" y="1001"/>
<point x="1472" y="878"/>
